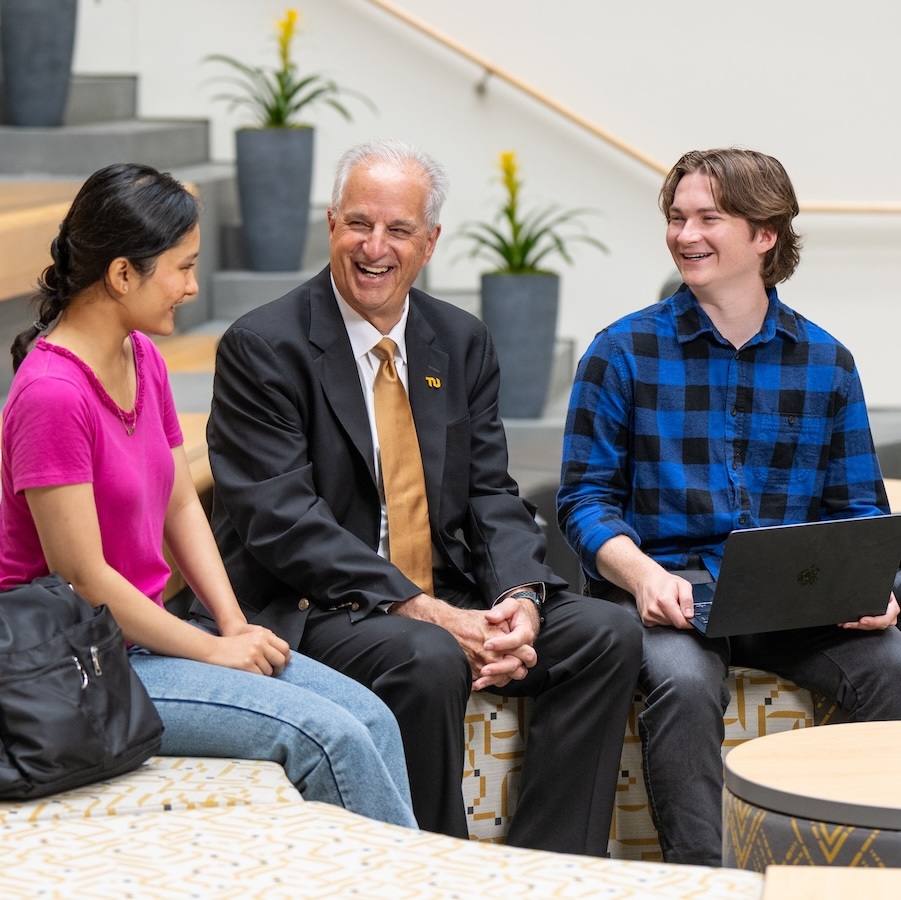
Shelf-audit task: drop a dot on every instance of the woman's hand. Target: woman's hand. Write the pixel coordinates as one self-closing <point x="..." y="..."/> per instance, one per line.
<point x="251" y="648"/>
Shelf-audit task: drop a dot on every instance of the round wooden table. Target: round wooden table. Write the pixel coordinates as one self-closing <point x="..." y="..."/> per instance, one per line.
<point x="824" y="796"/>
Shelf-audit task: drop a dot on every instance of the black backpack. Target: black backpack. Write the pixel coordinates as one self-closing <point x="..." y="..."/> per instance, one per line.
<point x="72" y="709"/>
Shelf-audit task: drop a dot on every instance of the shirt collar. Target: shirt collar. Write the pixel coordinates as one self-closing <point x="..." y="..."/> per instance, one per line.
<point x="364" y="335"/>
<point x="692" y="321"/>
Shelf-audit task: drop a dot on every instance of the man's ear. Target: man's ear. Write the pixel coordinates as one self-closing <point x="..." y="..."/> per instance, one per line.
<point x="430" y="244"/>
<point x="766" y="240"/>
<point x="120" y="274"/>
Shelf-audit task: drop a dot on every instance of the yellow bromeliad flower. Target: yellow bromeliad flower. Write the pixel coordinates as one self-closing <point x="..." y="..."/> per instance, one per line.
<point x="278" y="96"/>
<point x="519" y="242"/>
<point x="286" y="30"/>
<point x="509" y="171"/>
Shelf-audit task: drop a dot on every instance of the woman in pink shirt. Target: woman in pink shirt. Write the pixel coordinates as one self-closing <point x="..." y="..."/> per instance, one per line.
<point x="95" y="477"/>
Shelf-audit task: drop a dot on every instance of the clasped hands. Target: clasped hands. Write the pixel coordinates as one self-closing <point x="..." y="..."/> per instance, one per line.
<point x="498" y="642"/>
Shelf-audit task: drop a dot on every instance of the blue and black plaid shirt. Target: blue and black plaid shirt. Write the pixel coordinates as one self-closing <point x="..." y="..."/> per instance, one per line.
<point x="675" y="438"/>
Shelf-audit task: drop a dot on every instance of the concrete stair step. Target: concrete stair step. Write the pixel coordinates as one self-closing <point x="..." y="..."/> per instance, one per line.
<point x="101" y="98"/>
<point x="95" y="98"/>
<point x="238" y="291"/>
<point x="562" y="374"/>
<point x="78" y="150"/>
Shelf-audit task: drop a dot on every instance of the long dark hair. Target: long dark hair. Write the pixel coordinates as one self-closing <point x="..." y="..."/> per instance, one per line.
<point x="125" y="210"/>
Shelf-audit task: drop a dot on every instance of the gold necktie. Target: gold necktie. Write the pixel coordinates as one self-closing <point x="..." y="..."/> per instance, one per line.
<point x="409" y="537"/>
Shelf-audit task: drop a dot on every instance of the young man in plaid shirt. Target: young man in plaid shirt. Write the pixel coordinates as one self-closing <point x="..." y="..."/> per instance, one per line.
<point x="719" y="408"/>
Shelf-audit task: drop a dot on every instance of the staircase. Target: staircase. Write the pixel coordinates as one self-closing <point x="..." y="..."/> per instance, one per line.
<point x="114" y="133"/>
<point x="41" y="168"/>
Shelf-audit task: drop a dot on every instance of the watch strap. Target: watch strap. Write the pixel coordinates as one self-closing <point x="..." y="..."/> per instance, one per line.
<point x="534" y="597"/>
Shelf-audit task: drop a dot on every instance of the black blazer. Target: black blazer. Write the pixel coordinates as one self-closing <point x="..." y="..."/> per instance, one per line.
<point x="296" y="508"/>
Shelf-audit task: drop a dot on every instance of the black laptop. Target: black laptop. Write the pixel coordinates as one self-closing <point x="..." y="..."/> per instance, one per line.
<point x="799" y="576"/>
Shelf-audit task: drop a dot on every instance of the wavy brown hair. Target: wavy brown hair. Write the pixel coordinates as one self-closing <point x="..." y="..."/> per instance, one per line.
<point x="756" y="188"/>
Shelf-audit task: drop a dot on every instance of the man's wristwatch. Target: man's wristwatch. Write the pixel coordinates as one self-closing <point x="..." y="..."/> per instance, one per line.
<point x="535" y="597"/>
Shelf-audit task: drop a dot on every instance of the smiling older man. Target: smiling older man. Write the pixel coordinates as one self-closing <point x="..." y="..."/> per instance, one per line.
<point x="428" y="591"/>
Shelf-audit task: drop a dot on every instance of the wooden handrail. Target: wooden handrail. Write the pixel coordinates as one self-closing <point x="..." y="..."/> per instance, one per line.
<point x="868" y="209"/>
<point x="491" y="69"/>
<point x="578" y="119"/>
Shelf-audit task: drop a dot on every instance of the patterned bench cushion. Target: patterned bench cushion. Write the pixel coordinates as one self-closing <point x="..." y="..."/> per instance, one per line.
<point x="284" y="850"/>
<point x="163" y="784"/>
<point x="495" y="728"/>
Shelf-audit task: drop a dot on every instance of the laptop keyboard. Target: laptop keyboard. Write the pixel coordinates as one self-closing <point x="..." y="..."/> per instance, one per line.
<point x="702" y="596"/>
<point x="702" y="614"/>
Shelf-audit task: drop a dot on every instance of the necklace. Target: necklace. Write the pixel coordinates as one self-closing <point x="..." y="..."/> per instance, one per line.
<point x="129" y="420"/>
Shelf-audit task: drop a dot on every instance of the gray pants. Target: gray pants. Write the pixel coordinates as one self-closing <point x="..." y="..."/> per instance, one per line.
<point x="684" y="677"/>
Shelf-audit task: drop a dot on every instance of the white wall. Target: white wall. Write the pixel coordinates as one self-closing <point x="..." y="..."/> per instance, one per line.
<point x="813" y="82"/>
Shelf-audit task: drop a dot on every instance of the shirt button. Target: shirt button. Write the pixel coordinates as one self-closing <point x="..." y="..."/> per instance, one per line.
<point x="354" y="606"/>
<point x="742" y="520"/>
<point x="733" y="411"/>
<point x="303" y="604"/>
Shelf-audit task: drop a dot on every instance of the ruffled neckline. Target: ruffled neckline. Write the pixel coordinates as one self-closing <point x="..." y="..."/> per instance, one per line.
<point x="128" y="419"/>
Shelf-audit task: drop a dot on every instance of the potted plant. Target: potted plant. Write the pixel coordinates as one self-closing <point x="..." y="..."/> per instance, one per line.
<point x="520" y="296"/>
<point x="274" y="156"/>
<point x="38" y="39"/>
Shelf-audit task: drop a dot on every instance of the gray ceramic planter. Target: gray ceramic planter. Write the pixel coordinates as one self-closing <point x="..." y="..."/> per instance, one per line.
<point x="521" y="314"/>
<point x="38" y="38"/>
<point x="275" y="167"/>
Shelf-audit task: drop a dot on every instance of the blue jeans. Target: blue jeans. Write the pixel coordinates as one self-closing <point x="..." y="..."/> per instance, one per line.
<point x="335" y="739"/>
<point x="684" y="677"/>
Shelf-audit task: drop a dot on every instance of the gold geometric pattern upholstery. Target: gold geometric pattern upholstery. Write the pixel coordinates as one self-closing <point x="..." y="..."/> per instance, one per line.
<point x="761" y="703"/>
<point x="279" y="851"/>
<point x="163" y="784"/>
<point x="494" y="731"/>
<point x="754" y="838"/>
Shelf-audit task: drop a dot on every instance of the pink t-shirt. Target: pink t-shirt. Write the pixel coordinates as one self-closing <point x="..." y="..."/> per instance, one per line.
<point x="61" y="427"/>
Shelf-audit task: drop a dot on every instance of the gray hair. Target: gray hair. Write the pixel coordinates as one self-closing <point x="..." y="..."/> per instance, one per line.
<point x="402" y="156"/>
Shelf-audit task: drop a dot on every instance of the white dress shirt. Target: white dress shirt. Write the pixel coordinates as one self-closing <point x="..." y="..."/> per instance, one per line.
<point x="363" y="337"/>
